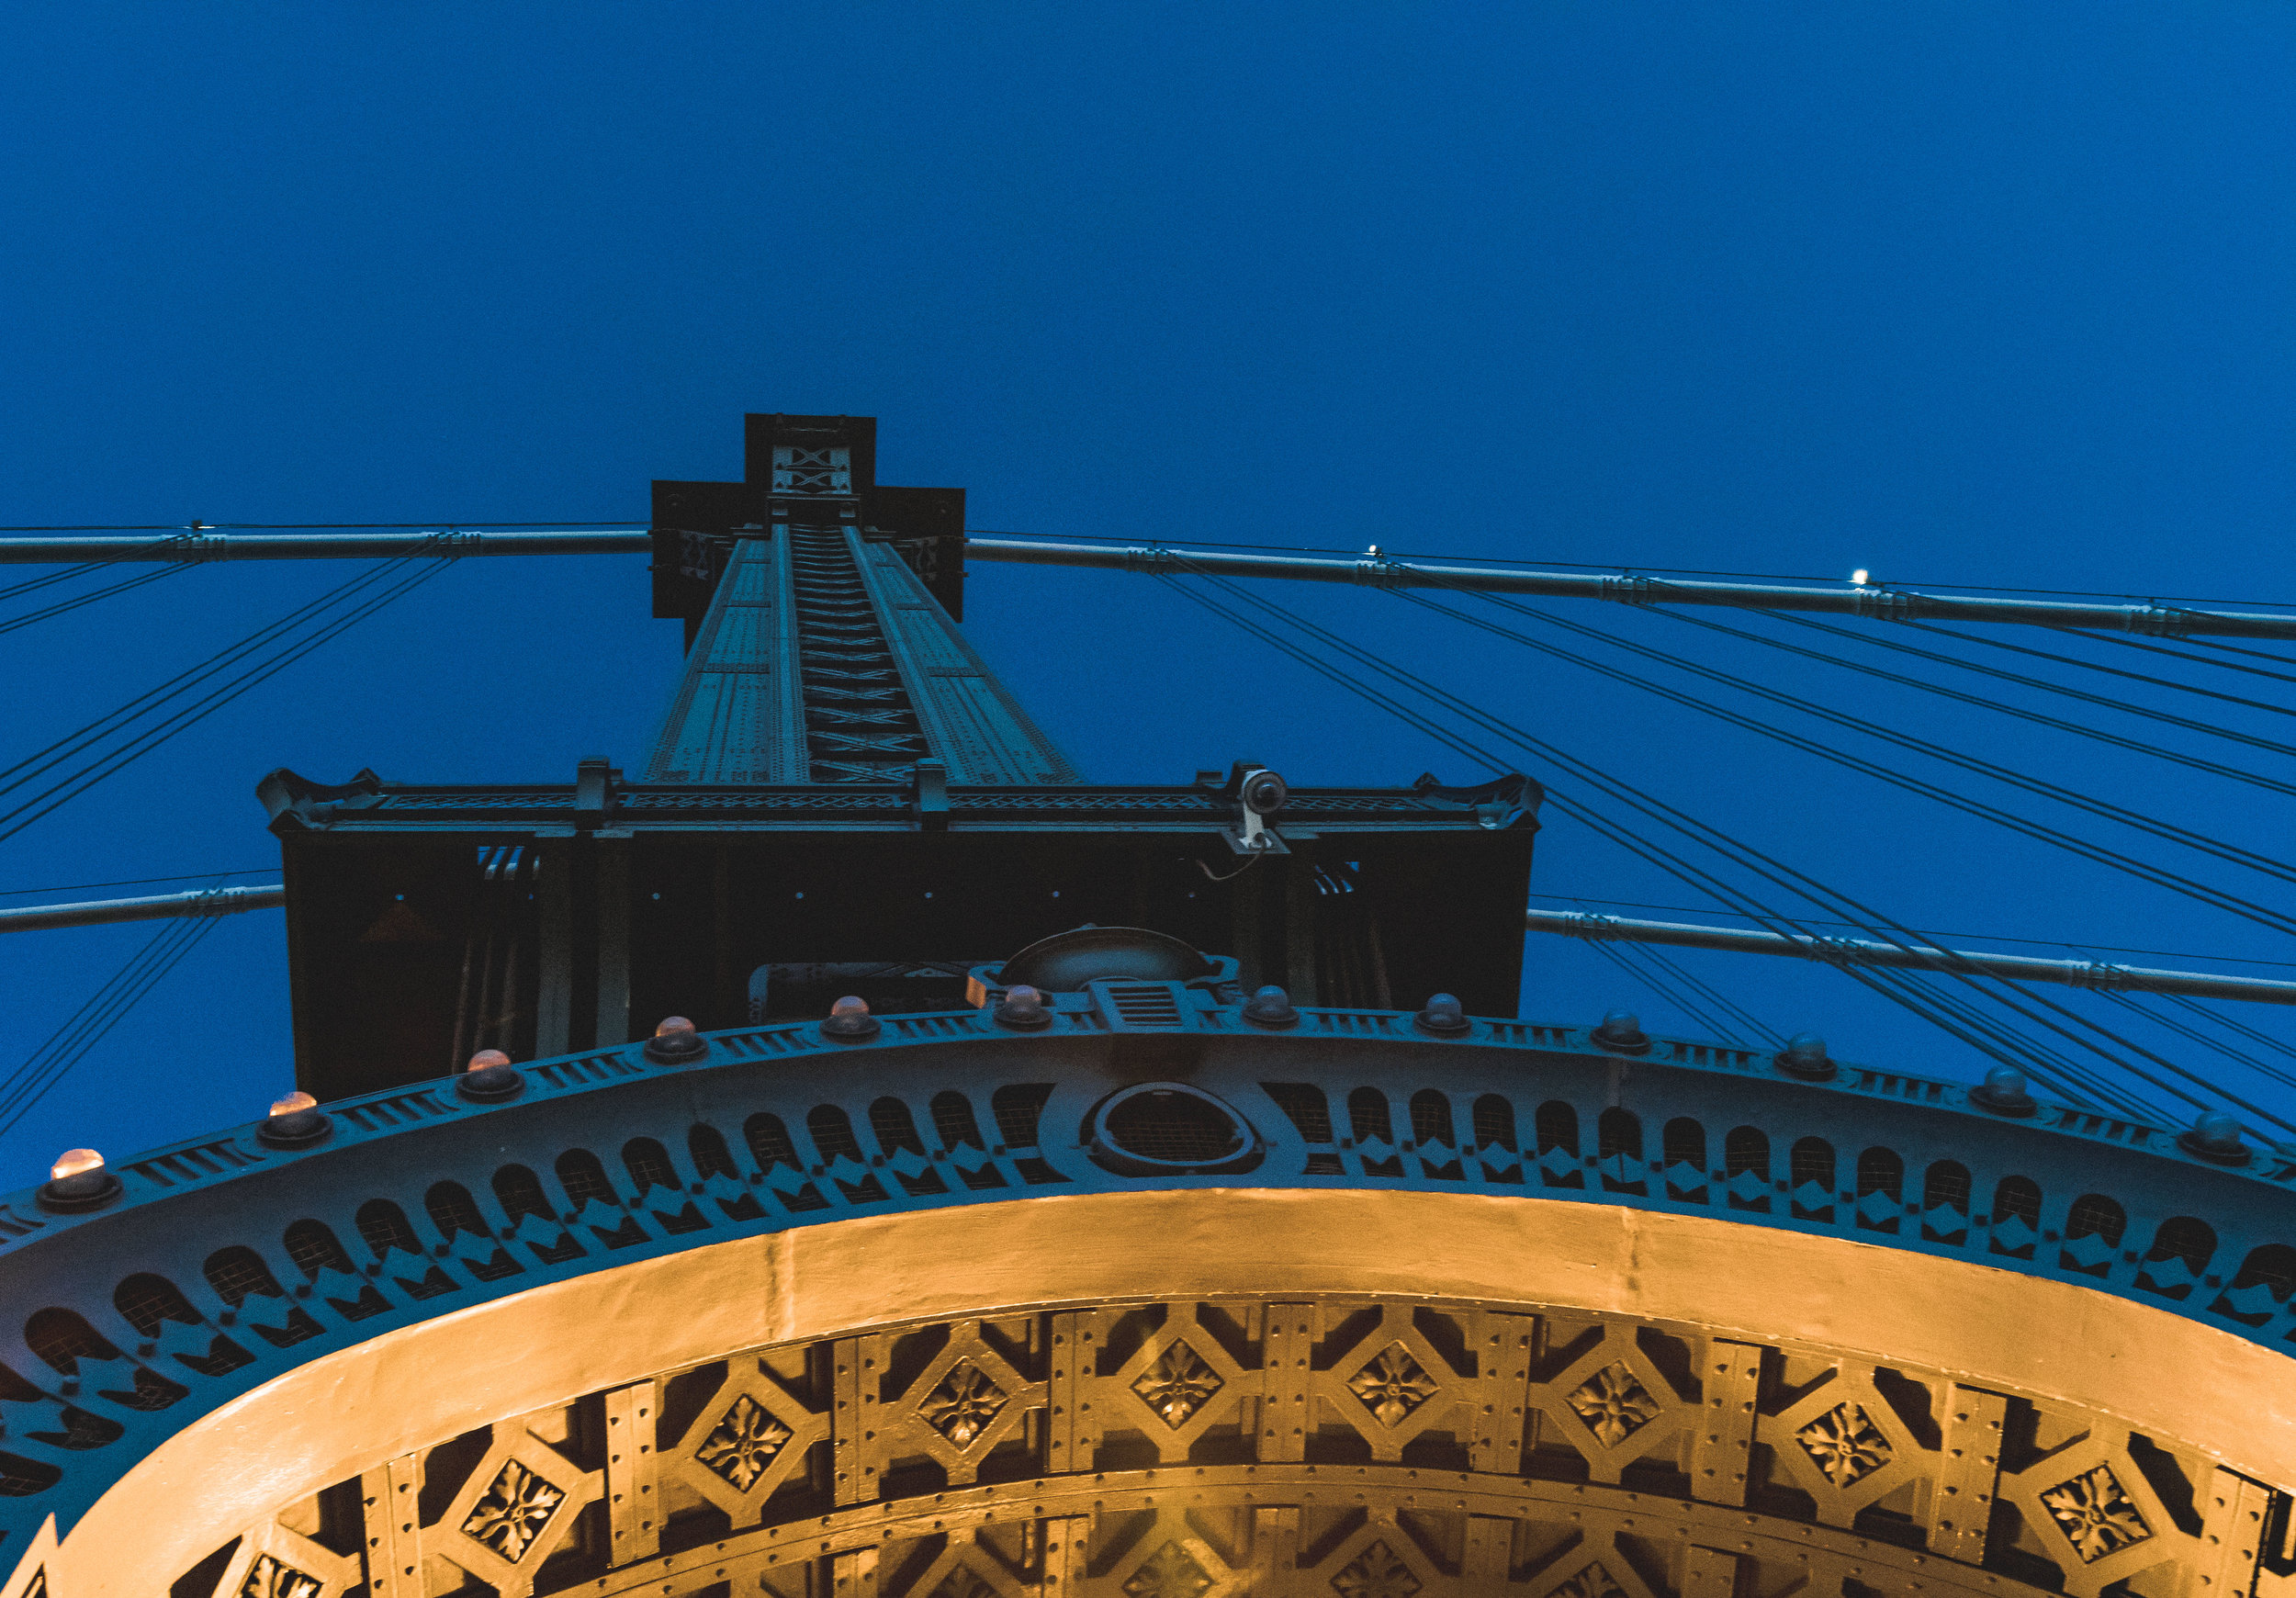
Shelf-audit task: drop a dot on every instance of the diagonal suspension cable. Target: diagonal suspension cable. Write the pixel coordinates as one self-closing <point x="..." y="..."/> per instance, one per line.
<point x="1918" y="745"/>
<point x="32" y="765"/>
<point x="2160" y="716"/>
<point x="2013" y="996"/>
<point x="2165" y="830"/>
<point x="1673" y="978"/>
<point x="80" y="601"/>
<point x="2239" y="1028"/>
<point x="111" y="761"/>
<point x="1986" y="1034"/>
<point x="2229" y="649"/>
<point x="2158" y="876"/>
<point x="30" y="1082"/>
<point x="1978" y="700"/>
<point x="2263" y="1068"/>
<point x="2074" y="1017"/>
<point x="128" y="746"/>
<point x="1666" y="992"/>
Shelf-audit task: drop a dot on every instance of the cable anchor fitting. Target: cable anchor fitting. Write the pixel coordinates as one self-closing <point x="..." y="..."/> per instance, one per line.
<point x="2158" y="621"/>
<point x="1887" y="604"/>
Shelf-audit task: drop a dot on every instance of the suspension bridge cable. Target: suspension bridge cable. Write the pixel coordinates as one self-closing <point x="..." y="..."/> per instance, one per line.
<point x="66" y="574"/>
<point x="1713" y="996"/>
<point x="2004" y="1043"/>
<point x="2274" y="1074"/>
<point x="71" y="1042"/>
<point x="2159" y="876"/>
<point x="193" y="529"/>
<point x="2160" y="716"/>
<point x="40" y="761"/>
<point x="2230" y="650"/>
<point x="1980" y="1032"/>
<point x="1707" y="909"/>
<point x="195" y="877"/>
<point x="65" y="607"/>
<point x="26" y="812"/>
<point x="1673" y="978"/>
<point x="2202" y="659"/>
<point x="2059" y="724"/>
<point x="636" y="523"/>
<point x="2092" y="852"/>
<point x="2220" y="1019"/>
<point x="2013" y="996"/>
<point x="2209" y="1084"/>
<point x="1666" y="992"/>
<point x="2167" y="831"/>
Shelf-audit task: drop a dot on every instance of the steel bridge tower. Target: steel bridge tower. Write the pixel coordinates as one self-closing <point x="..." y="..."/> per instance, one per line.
<point x="855" y="1158"/>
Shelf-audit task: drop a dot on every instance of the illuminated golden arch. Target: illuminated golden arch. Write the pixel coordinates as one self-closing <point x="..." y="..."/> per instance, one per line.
<point x="2204" y="1394"/>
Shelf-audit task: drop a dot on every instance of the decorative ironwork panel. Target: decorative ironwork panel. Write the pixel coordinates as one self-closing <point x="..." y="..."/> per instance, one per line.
<point x="1344" y="1446"/>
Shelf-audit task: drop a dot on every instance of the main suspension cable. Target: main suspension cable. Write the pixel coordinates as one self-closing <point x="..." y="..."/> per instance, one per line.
<point x="84" y="568"/>
<point x="2086" y="949"/>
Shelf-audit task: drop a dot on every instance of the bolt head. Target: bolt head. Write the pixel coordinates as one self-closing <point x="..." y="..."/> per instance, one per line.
<point x="1271" y="1008"/>
<point x="675" y="1041"/>
<point x="1443" y="1016"/>
<point x="2004" y="1092"/>
<point x="1022" y="1009"/>
<point x="1621" y="1033"/>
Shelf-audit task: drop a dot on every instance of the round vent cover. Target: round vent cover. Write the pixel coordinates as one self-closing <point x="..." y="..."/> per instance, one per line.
<point x="1170" y="1130"/>
<point x="1066" y="961"/>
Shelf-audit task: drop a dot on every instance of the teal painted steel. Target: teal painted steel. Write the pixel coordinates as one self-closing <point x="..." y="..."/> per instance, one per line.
<point x="196" y="548"/>
<point x="2100" y="976"/>
<point x="823" y="655"/>
<point x="153" y="907"/>
<point x="1870" y="600"/>
<point x="226" y="1261"/>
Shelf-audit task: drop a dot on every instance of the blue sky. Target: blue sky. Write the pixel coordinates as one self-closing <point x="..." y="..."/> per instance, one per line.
<point x="1980" y="294"/>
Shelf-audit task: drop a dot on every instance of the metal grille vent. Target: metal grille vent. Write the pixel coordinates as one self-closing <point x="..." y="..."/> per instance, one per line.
<point x="1145" y="1003"/>
<point x="1180" y="1128"/>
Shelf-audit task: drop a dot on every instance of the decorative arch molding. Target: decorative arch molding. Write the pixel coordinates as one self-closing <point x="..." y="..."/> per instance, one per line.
<point x="1492" y="1394"/>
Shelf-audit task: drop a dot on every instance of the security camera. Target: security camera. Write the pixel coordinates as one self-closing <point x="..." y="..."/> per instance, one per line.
<point x="1262" y="793"/>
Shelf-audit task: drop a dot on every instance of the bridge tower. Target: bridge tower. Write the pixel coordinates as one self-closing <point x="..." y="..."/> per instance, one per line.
<point x="855" y="1158"/>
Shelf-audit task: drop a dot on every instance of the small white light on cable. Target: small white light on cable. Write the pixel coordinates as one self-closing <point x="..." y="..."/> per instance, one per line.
<point x="1859" y="577"/>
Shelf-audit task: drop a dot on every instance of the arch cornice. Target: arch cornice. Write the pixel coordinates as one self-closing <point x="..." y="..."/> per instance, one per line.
<point x="724" y="1181"/>
<point x="347" y="1412"/>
